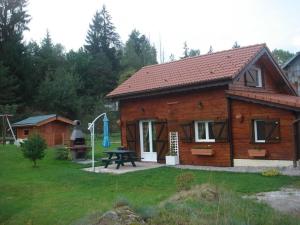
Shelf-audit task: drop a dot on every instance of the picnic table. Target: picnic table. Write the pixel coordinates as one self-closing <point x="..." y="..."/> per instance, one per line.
<point x="121" y="157"/>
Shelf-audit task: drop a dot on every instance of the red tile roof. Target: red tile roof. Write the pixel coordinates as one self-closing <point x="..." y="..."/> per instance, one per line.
<point x="188" y="71"/>
<point x="279" y="99"/>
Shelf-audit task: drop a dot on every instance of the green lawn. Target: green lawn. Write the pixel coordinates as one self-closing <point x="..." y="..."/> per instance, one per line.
<point x="58" y="192"/>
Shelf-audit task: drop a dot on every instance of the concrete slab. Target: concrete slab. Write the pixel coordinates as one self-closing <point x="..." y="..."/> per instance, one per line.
<point x="127" y="168"/>
<point x="286" y="200"/>
<point x="84" y="161"/>
<point x="288" y="171"/>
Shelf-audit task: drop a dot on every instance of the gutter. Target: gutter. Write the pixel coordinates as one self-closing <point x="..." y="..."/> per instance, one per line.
<point x="174" y="89"/>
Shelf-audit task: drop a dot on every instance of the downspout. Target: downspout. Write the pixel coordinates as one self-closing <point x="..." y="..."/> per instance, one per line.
<point x="296" y="141"/>
<point x="229" y="101"/>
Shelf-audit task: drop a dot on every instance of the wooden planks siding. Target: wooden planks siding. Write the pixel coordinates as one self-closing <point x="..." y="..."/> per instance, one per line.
<point x="284" y="150"/>
<point x="209" y="104"/>
<point x="54" y="132"/>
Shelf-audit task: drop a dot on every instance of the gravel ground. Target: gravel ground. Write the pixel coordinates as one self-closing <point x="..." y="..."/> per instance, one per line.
<point x="289" y="171"/>
<point x="286" y="200"/>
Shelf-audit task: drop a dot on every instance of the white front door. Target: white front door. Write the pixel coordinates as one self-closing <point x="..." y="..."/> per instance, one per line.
<point x="147" y="133"/>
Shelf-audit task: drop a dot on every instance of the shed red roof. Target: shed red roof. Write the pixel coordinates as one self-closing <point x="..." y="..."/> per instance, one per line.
<point x="279" y="99"/>
<point x="188" y="71"/>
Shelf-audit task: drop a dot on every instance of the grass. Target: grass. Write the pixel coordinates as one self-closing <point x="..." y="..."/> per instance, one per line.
<point x="58" y="192"/>
<point x="206" y="204"/>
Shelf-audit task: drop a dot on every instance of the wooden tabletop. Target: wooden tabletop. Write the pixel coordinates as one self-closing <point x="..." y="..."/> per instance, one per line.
<point x="119" y="151"/>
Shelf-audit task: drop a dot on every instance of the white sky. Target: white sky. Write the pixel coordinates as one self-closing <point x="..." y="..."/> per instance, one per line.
<point x="200" y="23"/>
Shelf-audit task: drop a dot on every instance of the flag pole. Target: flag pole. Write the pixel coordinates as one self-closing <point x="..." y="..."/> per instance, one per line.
<point x="91" y="128"/>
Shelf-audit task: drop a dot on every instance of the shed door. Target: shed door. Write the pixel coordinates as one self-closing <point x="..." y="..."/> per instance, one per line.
<point x="58" y="138"/>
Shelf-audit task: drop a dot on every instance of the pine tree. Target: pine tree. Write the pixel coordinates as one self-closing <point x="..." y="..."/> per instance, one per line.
<point x="49" y="57"/>
<point x="104" y="46"/>
<point x="58" y="93"/>
<point x="138" y="52"/>
<point x="210" y="50"/>
<point x="236" y="45"/>
<point x="189" y="52"/>
<point x="172" y="58"/>
<point x="282" y="56"/>
<point x="13" y="56"/>
<point x="102" y="35"/>
<point x="194" y="52"/>
<point x="185" y="50"/>
<point x="8" y="87"/>
<point x="13" y="20"/>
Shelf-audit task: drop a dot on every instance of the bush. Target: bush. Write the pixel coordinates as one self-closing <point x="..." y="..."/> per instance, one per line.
<point x="61" y="153"/>
<point x="184" y="181"/>
<point x="121" y="201"/>
<point x="34" y="148"/>
<point x="271" y="172"/>
<point x="147" y="212"/>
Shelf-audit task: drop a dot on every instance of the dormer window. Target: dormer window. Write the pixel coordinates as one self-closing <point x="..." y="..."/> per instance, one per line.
<point x="253" y="77"/>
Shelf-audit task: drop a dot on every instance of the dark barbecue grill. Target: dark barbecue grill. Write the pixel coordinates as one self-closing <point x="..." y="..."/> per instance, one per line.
<point x="77" y="142"/>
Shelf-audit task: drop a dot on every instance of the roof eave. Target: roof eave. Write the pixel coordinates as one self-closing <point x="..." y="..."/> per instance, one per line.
<point x="174" y="89"/>
<point x="290" y="60"/>
<point x="262" y="102"/>
<point x="23" y="125"/>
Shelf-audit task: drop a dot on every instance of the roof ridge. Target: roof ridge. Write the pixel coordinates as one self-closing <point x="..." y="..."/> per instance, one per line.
<point x="213" y="53"/>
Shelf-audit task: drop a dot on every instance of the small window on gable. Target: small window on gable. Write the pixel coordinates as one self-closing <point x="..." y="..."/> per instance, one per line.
<point x="26" y="132"/>
<point x="253" y="77"/>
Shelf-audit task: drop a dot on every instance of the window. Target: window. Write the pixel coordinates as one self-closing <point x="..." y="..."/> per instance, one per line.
<point x="204" y="131"/>
<point x="253" y="77"/>
<point x="266" y="131"/>
<point x="259" y="131"/>
<point x="26" y="132"/>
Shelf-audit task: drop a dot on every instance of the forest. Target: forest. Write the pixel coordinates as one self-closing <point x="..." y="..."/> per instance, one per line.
<point x="43" y="78"/>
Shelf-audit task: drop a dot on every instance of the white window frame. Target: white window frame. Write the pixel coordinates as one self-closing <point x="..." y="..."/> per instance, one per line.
<point x="255" y="133"/>
<point x="207" y="139"/>
<point x="259" y="78"/>
<point x="150" y="138"/>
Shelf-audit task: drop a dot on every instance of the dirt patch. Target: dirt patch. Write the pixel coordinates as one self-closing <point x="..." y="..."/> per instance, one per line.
<point x="286" y="200"/>
<point x="200" y="192"/>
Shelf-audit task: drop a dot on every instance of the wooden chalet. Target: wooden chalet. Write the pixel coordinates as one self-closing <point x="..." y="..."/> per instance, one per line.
<point x="229" y="108"/>
<point x="53" y="128"/>
<point x="292" y="70"/>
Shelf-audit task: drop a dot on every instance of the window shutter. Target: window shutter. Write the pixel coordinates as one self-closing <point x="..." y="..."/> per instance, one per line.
<point x="187" y="132"/>
<point x="161" y="138"/>
<point x="250" y="78"/>
<point x="220" y="130"/>
<point x="131" y="135"/>
<point x="272" y="129"/>
<point x="252" y="134"/>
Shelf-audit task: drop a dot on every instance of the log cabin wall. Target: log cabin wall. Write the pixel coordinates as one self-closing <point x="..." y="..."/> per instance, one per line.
<point x="242" y="115"/>
<point x="60" y="132"/>
<point x="206" y="104"/>
<point x="23" y="132"/>
<point x="54" y="132"/>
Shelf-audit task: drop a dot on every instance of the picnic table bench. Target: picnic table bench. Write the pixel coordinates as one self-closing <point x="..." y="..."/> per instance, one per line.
<point x="121" y="157"/>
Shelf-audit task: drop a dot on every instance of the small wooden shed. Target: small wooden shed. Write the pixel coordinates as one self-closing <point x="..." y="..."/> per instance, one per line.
<point x="53" y="128"/>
